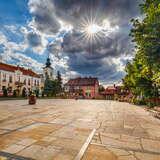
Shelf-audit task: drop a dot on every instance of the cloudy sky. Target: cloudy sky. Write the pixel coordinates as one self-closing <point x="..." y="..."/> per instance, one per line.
<point x="82" y="37"/>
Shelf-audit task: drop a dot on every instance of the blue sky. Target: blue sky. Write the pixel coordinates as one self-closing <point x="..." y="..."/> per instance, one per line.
<point x="14" y="12"/>
<point x="32" y="29"/>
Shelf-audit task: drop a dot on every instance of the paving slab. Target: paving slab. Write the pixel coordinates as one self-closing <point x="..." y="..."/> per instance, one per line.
<point x="57" y="129"/>
<point x="8" y="156"/>
<point x="39" y="152"/>
<point x="147" y="156"/>
<point x="151" y="145"/>
<point x="98" y="153"/>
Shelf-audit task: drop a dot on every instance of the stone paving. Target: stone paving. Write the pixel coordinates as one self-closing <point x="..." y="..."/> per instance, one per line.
<point x="57" y="130"/>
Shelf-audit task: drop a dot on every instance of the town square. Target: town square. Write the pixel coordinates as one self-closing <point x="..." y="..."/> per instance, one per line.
<point x="79" y="79"/>
<point x="58" y="129"/>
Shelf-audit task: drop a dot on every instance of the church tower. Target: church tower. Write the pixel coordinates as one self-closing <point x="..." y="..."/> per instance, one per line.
<point x="48" y="70"/>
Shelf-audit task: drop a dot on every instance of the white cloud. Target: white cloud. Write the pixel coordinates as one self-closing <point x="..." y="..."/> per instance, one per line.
<point x="11" y="52"/>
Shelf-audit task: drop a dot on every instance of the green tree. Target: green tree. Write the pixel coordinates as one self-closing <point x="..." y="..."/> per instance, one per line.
<point x="101" y="88"/>
<point x="143" y="71"/>
<point x="48" y="87"/>
<point x="37" y="92"/>
<point x="52" y="87"/>
<point x="59" y="82"/>
<point x="5" y="92"/>
<point x="14" y="93"/>
<point x="24" y="92"/>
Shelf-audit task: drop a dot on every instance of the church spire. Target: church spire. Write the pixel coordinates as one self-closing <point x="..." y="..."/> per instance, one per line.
<point x="48" y="62"/>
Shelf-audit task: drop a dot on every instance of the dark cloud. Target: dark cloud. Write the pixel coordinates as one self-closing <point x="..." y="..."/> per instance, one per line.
<point x="84" y="57"/>
<point x="47" y="12"/>
<point x="117" y="11"/>
<point x="34" y="39"/>
<point x="108" y="46"/>
<point x="44" y="16"/>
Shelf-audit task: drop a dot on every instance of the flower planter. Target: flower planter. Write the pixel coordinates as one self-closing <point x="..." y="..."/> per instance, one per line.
<point x="32" y="100"/>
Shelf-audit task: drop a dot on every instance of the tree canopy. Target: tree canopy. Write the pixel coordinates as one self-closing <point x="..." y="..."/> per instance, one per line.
<point x="53" y="87"/>
<point x="144" y="71"/>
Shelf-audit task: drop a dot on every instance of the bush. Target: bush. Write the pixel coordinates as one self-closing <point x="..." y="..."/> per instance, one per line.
<point x="24" y="93"/>
<point x="14" y="93"/>
<point x="5" y="93"/>
<point x="150" y="104"/>
<point x="141" y="102"/>
<point x="138" y="101"/>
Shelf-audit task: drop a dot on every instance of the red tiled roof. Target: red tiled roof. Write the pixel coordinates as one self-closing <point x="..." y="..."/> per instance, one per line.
<point x="112" y="90"/>
<point x="90" y="81"/>
<point x="11" y="68"/>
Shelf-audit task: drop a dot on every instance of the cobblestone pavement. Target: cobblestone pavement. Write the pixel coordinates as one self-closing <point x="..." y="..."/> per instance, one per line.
<point x="58" y="130"/>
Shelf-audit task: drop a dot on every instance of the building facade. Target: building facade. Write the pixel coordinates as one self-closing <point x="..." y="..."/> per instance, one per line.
<point x="115" y="92"/>
<point x="48" y="71"/>
<point x="85" y="87"/>
<point x="15" y="78"/>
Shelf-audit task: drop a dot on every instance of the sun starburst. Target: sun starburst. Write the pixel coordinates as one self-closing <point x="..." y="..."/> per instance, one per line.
<point x="93" y="29"/>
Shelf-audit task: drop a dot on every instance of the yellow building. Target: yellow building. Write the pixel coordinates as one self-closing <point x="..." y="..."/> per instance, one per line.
<point x="18" y="78"/>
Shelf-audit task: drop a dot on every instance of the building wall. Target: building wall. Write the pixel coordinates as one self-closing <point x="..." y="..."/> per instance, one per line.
<point x="30" y="83"/>
<point x="48" y="71"/>
<point x="87" y="91"/>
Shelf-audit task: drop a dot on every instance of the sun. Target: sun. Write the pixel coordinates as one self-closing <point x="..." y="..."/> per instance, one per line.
<point x="93" y="29"/>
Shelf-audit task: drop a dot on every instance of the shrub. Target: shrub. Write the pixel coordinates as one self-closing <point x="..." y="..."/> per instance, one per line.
<point x="14" y="93"/>
<point x="5" y="93"/>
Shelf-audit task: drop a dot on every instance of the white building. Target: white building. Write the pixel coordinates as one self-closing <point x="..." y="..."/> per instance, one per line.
<point x="18" y="78"/>
<point x="48" y="71"/>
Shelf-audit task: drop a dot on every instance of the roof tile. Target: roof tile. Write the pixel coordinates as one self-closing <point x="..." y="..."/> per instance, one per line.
<point x="11" y="68"/>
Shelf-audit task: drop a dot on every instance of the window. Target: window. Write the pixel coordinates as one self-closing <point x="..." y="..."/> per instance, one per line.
<point x="35" y="82"/>
<point x="10" y="79"/>
<point x="4" y="77"/>
<point x="19" y="78"/>
<point x="24" y="81"/>
<point x="29" y="82"/>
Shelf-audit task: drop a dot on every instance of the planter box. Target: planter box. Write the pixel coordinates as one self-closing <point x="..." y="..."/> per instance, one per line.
<point x="32" y="100"/>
